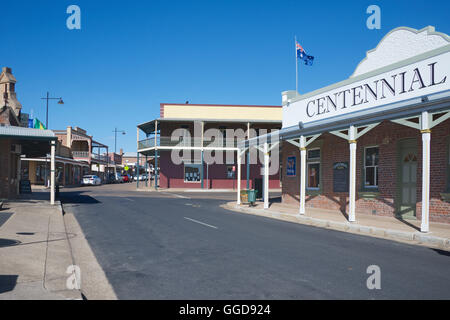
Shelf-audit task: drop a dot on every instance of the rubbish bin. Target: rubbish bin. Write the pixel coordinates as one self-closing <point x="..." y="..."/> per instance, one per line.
<point x="244" y="196"/>
<point x="252" y="196"/>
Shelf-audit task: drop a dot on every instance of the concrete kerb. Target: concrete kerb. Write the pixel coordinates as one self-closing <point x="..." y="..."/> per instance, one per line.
<point x="415" y="238"/>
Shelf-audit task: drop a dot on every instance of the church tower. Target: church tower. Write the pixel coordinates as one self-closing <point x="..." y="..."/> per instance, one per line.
<point x="7" y="91"/>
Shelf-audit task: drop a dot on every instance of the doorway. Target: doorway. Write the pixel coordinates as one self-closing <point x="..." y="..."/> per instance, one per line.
<point x="407" y="169"/>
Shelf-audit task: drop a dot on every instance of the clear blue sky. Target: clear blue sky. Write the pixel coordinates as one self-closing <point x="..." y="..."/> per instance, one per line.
<point x="130" y="56"/>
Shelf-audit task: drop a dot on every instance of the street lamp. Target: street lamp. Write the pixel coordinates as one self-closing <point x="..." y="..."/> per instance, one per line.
<point x="60" y="101"/>
<point x="115" y="138"/>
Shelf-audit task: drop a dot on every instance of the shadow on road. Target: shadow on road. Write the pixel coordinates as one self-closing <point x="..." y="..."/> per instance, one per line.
<point x="76" y="197"/>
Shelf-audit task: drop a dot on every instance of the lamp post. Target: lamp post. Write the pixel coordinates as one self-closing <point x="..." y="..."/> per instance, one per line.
<point x="115" y="138"/>
<point x="48" y="98"/>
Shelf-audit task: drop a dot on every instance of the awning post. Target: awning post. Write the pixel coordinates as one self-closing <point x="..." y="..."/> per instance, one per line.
<point x="266" y="175"/>
<point x="352" y="191"/>
<point x="52" y="172"/>
<point x="302" y="174"/>
<point x="238" y="176"/>
<point x="426" y="139"/>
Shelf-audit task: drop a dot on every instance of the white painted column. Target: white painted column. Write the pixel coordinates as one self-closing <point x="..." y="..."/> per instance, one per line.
<point x="426" y="139"/>
<point x="52" y="173"/>
<point x="266" y="175"/>
<point x="302" y="174"/>
<point x="352" y="191"/>
<point x="238" y="176"/>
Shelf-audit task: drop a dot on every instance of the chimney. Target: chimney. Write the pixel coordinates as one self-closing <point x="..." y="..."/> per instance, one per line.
<point x="121" y="151"/>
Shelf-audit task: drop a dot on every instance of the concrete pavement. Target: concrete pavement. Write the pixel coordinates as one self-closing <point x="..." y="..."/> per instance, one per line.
<point x="34" y="252"/>
<point x="38" y="244"/>
<point x="375" y="226"/>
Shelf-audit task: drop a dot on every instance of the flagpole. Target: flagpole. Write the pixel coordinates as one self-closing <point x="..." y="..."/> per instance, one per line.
<point x="296" y="65"/>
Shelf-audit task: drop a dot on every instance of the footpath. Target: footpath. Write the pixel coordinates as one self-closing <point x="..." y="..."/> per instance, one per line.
<point x="44" y="254"/>
<point x="407" y="231"/>
<point x="34" y="251"/>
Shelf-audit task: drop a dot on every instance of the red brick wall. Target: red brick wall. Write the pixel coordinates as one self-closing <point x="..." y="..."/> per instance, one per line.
<point x="172" y="176"/>
<point x="387" y="136"/>
<point x="7" y="174"/>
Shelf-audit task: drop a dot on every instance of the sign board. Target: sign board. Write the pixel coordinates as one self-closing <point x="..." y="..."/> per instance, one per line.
<point x="126" y="168"/>
<point x="25" y="187"/>
<point x="291" y="166"/>
<point x="428" y="76"/>
<point x="340" y="177"/>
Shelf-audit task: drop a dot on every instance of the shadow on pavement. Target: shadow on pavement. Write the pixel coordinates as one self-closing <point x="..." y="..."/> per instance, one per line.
<point x="7" y="282"/>
<point x="4" y="216"/>
<point x="8" y="242"/>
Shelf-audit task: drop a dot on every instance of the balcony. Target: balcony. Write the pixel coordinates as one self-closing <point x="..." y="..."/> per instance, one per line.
<point x="188" y="142"/>
<point x="80" y="154"/>
<point x="99" y="157"/>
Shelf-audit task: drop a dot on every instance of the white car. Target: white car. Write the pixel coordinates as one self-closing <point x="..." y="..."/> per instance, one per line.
<point x="91" y="180"/>
<point x="142" y="177"/>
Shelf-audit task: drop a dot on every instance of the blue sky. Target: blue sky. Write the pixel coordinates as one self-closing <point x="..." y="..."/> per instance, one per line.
<point x="130" y="56"/>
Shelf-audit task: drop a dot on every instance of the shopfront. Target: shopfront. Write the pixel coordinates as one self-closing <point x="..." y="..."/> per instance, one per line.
<point x="378" y="142"/>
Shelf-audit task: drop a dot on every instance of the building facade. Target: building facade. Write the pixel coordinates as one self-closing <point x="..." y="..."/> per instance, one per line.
<point x="195" y="146"/>
<point x="377" y="143"/>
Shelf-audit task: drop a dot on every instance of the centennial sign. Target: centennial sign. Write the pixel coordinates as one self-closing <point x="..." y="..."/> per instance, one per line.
<point x="415" y="80"/>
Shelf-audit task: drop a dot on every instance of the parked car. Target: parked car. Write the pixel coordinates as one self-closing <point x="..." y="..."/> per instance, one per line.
<point x="118" y="178"/>
<point x="91" y="180"/>
<point x="126" y="178"/>
<point x="142" y="177"/>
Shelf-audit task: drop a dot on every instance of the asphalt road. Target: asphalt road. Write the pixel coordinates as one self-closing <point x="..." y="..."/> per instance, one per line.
<point x="184" y="246"/>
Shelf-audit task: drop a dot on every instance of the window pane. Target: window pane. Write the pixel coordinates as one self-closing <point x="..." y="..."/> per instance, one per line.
<point x="313" y="175"/>
<point x="230" y="172"/>
<point x="191" y="173"/>
<point x="314" y="154"/>
<point x="371" y="156"/>
<point x="370" y="176"/>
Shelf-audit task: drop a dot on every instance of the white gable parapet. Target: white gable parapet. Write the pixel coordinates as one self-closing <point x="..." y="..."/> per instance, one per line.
<point x="400" y="44"/>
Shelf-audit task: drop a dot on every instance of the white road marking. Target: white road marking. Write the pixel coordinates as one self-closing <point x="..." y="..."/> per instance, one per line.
<point x="128" y="199"/>
<point x="176" y="195"/>
<point x="205" y="224"/>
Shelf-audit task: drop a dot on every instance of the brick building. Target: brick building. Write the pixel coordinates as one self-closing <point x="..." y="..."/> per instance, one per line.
<point x="378" y="142"/>
<point x="196" y="133"/>
<point x="17" y="141"/>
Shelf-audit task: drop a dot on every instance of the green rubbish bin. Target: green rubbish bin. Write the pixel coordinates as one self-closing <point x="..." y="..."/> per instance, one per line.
<point x="252" y="196"/>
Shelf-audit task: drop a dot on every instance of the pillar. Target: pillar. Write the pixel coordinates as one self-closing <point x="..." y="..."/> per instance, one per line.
<point x="352" y="181"/>
<point x="238" y="176"/>
<point x="426" y="140"/>
<point x="52" y="172"/>
<point x="266" y="175"/>
<point x="137" y="170"/>
<point x="302" y="174"/>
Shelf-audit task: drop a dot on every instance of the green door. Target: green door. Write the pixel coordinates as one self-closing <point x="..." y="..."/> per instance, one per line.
<point x="407" y="179"/>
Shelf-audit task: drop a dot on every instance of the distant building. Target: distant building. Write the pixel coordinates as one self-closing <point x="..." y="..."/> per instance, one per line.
<point x="196" y="122"/>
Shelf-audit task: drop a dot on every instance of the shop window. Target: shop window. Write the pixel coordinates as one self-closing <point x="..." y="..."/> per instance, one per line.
<point x="313" y="168"/>
<point x="192" y="172"/>
<point x="231" y="170"/>
<point x="371" y="155"/>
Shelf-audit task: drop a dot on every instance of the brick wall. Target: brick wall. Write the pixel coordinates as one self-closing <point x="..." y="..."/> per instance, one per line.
<point x="387" y="137"/>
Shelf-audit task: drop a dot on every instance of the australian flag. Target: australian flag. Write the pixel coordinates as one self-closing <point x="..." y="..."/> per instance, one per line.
<point x="301" y="54"/>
